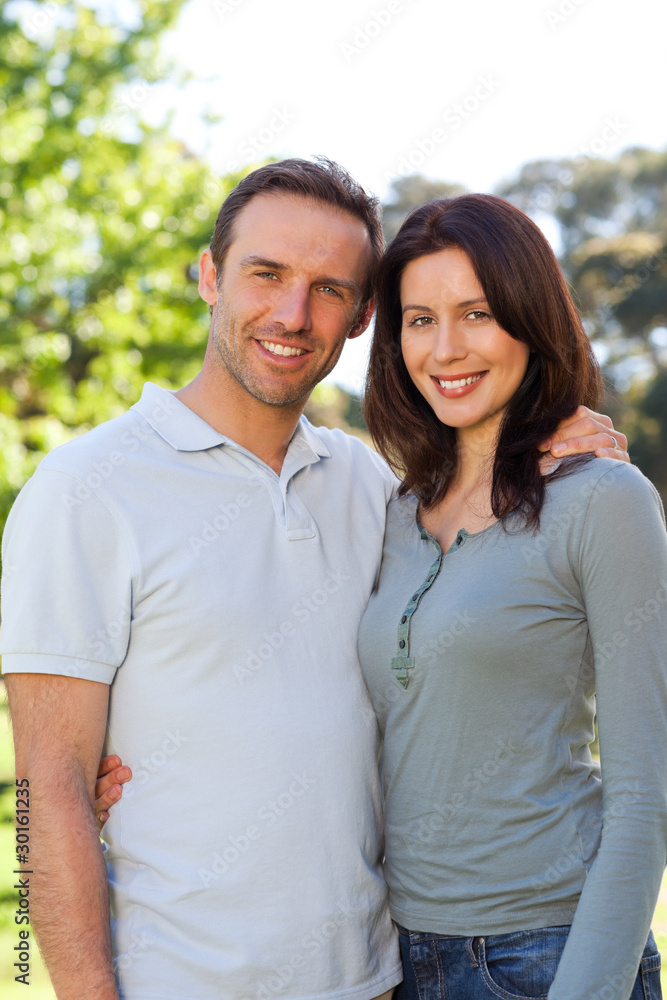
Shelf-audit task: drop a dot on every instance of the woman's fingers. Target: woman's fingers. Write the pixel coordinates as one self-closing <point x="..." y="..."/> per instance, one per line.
<point x="108" y="789"/>
<point x="108" y="764"/>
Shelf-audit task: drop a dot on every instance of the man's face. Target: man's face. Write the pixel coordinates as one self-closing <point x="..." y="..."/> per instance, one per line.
<point x="289" y="295"/>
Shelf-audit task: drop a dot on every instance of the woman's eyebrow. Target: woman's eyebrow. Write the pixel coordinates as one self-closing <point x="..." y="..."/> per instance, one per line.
<point x="460" y="305"/>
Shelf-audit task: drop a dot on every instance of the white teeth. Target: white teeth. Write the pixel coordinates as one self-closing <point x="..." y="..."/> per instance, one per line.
<point x="285" y="352"/>
<point x="458" y="382"/>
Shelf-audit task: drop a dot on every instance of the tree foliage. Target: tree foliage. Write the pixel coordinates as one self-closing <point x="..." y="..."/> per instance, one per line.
<point x="612" y="217"/>
<point x="612" y="220"/>
<point x="410" y="192"/>
<point x="103" y="219"/>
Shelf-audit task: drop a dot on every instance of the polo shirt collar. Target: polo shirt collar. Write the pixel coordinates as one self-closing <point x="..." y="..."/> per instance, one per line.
<point x="181" y="428"/>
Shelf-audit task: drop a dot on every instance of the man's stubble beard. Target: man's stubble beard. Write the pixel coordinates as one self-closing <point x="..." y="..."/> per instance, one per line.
<point x="228" y="336"/>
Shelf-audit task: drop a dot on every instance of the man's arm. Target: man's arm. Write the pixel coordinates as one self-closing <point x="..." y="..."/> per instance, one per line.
<point x="59" y="724"/>
<point x="587" y="431"/>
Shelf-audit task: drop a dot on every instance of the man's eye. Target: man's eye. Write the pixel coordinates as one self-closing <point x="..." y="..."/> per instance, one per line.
<point x="267" y="274"/>
<point x="329" y="290"/>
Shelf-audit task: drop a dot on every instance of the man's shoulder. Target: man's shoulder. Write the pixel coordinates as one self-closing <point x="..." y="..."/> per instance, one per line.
<point x="108" y="442"/>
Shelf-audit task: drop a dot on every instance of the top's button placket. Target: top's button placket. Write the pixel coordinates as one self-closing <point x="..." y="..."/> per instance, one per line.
<point x="403" y="663"/>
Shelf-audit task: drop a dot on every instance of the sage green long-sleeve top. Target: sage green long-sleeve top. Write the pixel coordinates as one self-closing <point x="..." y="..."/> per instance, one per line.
<point x="484" y="665"/>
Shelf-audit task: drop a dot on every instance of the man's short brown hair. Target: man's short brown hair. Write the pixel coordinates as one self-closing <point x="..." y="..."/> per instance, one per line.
<point x="322" y="181"/>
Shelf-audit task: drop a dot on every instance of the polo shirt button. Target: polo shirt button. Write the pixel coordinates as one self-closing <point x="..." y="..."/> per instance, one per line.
<point x="459" y="539"/>
<point x="414" y="597"/>
<point x="404" y="619"/>
<point x="401" y="644"/>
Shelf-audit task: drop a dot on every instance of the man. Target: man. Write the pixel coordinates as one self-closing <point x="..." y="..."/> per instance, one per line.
<point x="188" y="579"/>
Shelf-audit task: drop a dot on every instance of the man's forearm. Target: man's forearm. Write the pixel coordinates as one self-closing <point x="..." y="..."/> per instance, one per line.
<point x="70" y="907"/>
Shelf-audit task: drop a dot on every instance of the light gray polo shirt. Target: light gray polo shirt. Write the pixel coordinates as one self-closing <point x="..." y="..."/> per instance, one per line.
<point x="221" y="602"/>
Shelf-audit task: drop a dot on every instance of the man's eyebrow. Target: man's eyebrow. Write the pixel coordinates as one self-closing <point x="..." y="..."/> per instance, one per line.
<point x="253" y="261"/>
<point x="460" y="305"/>
<point x="274" y="265"/>
<point x="350" y="286"/>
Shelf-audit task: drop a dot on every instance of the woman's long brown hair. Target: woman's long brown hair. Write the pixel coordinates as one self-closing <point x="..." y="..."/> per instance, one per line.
<point x="529" y="299"/>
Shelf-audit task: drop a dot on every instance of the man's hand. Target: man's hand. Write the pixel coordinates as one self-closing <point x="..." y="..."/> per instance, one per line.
<point x="587" y="431"/>
<point x="111" y="776"/>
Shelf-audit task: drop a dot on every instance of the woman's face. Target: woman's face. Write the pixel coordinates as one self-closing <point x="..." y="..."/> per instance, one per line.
<point x="463" y="363"/>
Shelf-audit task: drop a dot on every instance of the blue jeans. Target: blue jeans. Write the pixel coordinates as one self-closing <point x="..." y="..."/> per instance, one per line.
<point x="510" y="966"/>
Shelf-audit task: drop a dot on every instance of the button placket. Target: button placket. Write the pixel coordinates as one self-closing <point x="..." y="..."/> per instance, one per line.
<point x="403" y="663"/>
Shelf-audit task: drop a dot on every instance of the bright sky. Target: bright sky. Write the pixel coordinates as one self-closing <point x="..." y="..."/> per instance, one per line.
<point x="459" y="91"/>
<point x="464" y="91"/>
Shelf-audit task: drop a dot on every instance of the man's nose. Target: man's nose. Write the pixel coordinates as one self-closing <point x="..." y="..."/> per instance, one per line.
<point x="292" y="309"/>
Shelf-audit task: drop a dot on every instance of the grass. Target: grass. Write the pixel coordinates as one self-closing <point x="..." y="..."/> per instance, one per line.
<point x="40" y="988"/>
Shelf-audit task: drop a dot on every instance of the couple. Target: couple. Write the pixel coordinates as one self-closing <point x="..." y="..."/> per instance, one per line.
<point x="189" y="582"/>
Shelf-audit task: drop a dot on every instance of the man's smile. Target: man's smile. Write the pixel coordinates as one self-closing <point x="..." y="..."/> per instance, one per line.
<point x="283" y="350"/>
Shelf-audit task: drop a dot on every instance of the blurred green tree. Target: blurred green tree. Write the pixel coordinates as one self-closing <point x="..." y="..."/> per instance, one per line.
<point x="410" y="192"/>
<point x="612" y="223"/>
<point x="102" y="221"/>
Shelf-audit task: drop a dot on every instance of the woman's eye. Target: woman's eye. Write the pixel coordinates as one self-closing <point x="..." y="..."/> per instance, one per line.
<point x="421" y="321"/>
<point x="479" y="314"/>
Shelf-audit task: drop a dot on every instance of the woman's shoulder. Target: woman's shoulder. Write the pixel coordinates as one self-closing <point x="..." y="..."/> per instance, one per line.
<point x="607" y="489"/>
<point x="600" y="475"/>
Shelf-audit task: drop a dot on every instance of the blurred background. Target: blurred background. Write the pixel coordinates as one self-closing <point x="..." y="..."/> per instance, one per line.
<point x="124" y="124"/>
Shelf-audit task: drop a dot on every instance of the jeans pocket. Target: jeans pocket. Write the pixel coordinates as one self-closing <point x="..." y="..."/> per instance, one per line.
<point x="522" y="966"/>
<point x="649" y="974"/>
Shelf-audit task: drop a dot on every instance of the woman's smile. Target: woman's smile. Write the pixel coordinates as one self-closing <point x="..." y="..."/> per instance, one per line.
<point x="453" y="386"/>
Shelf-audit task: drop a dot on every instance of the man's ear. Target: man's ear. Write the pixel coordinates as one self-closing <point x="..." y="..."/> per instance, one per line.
<point x="365" y="317"/>
<point x="208" y="287"/>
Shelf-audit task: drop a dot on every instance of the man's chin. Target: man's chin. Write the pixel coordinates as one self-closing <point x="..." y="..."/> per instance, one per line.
<point x="281" y="397"/>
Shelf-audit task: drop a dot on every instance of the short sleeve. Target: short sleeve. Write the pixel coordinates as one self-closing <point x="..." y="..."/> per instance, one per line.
<point x="67" y="582"/>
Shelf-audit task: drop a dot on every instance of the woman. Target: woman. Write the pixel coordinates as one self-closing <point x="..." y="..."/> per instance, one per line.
<point x="512" y="591"/>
